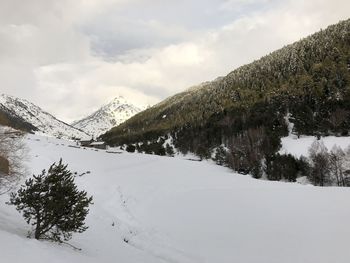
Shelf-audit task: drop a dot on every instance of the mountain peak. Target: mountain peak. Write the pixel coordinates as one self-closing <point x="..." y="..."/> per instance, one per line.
<point x="109" y="115"/>
<point x="118" y="99"/>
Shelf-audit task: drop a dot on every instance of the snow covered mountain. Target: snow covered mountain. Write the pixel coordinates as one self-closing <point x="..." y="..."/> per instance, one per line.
<point x="40" y="121"/>
<point x="108" y="116"/>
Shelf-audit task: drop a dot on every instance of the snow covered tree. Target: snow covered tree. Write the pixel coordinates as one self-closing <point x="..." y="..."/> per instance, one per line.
<point x="346" y="167"/>
<point x="220" y="155"/>
<point x="336" y="162"/>
<point x="52" y="204"/>
<point x="320" y="164"/>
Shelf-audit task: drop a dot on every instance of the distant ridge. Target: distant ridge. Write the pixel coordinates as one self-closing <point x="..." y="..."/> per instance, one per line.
<point x="24" y="115"/>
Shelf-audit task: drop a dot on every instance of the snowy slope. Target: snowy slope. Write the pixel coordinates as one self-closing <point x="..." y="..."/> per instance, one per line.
<point x="180" y="211"/>
<point x="108" y="116"/>
<point x="43" y="121"/>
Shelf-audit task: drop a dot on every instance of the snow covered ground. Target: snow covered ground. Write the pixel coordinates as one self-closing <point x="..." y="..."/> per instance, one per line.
<point x="150" y="209"/>
<point x="300" y="146"/>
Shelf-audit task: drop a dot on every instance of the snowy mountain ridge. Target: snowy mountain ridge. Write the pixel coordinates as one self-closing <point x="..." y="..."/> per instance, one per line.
<point x="108" y="116"/>
<point x="43" y="121"/>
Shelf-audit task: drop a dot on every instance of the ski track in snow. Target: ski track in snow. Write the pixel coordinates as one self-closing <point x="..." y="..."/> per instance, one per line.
<point x="148" y="240"/>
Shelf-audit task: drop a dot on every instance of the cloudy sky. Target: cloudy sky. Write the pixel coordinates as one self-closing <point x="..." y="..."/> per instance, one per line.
<point x="71" y="56"/>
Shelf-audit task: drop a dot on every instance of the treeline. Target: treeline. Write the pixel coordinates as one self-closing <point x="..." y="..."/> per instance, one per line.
<point x="323" y="167"/>
<point x="158" y="147"/>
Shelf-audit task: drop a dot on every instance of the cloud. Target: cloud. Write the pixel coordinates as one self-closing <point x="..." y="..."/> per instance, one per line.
<point x="241" y="4"/>
<point x="72" y="56"/>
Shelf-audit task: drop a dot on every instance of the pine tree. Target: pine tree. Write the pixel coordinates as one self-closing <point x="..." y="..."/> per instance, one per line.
<point x="52" y="204"/>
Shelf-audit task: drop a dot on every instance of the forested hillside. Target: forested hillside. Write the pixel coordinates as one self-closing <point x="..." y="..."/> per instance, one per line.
<point x="244" y="114"/>
<point x="8" y="119"/>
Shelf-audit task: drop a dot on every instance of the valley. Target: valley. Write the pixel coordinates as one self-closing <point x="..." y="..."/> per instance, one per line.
<point x="159" y="209"/>
<point x="174" y="131"/>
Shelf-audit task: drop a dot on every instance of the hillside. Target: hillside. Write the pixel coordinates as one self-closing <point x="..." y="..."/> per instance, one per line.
<point x="22" y="114"/>
<point x="154" y="209"/>
<point x="13" y="121"/>
<point x="305" y="83"/>
<point x="107" y="117"/>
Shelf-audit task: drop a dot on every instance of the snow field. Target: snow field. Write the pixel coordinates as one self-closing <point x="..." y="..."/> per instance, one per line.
<point x="160" y="209"/>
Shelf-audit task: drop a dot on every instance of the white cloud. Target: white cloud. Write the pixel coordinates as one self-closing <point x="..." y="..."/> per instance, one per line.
<point x="239" y="4"/>
<point x="46" y="57"/>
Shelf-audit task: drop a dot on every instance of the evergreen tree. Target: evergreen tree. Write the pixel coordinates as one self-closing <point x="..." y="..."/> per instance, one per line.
<point x="304" y="166"/>
<point x="282" y="167"/>
<point x="52" y="204"/>
<point x="169" y="150"/>
<point x="130" y="148"/>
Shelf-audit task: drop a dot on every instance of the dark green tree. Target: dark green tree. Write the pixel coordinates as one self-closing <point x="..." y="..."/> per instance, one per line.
<point x="280" y="167"/>
<point x="169" y="150"/>
<point x="130" y="148"/>
<point x="52" y="204"/>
